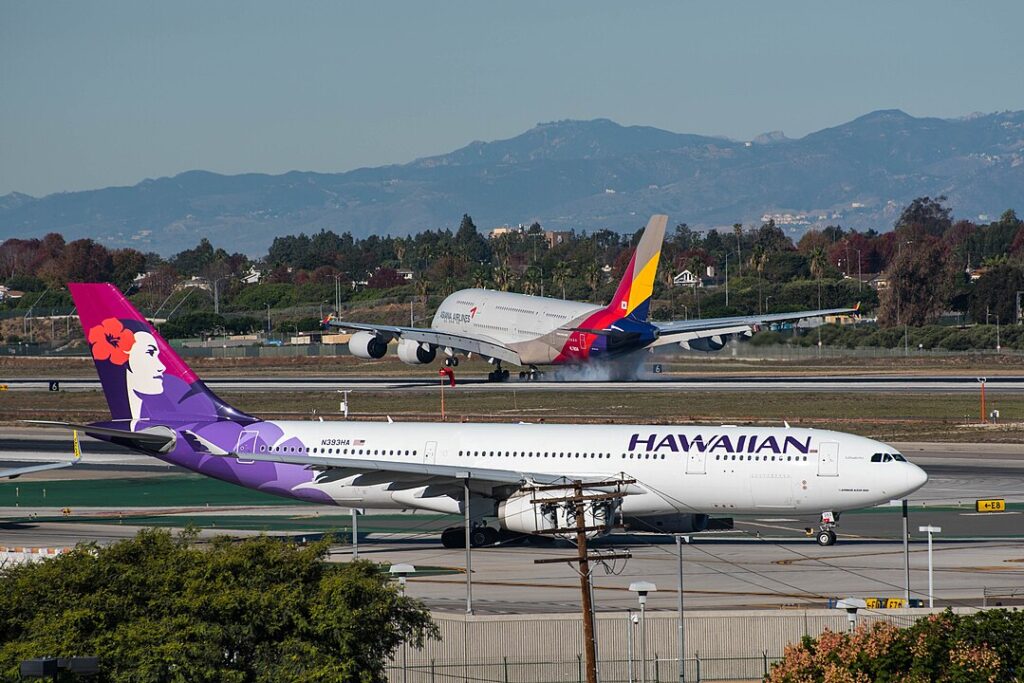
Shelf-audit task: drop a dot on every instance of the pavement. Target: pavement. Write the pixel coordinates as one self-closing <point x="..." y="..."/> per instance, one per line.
<point x="845" y="383"/>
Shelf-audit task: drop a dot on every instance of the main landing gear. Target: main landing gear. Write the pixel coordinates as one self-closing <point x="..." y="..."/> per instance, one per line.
<point x="826" y="531"/>
<point x="455" y="537"/>
<point x="531" y="375"/>
<point x="499" y="374"/>
<point x="451" y="362"/>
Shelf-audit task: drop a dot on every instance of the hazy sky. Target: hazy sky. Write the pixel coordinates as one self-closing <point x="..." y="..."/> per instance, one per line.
<point x="108" y="93"/>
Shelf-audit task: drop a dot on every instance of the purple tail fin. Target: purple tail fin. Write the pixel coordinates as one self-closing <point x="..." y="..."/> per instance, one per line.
<point x="142" y="376"/>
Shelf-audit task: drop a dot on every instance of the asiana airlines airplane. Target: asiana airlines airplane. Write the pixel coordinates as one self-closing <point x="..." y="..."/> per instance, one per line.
<point x="534" y="331"/>
<point x="676" y="477"/>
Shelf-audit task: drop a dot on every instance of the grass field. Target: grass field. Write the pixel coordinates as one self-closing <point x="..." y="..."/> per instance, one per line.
<point x="698" y="365"/>
<point x="892" y="417"/>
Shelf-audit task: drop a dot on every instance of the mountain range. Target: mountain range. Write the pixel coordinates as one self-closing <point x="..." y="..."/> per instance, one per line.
<point x="585" y="175"/>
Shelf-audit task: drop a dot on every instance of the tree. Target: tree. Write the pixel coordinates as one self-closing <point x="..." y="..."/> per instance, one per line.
<point x="592" y="276"/>
<point x="818" y="262"/>
<point x="737" y="229"/>
<point x="995" y="294"/>
<point x="925" y="216"/>
<point x="157" y="608"/>
<point x="471" y="243"/>
<point x="504" y="278"/>
<point x="562" y="274"/>
<point x="921" y="280"/>
<point x="943" y="647"/>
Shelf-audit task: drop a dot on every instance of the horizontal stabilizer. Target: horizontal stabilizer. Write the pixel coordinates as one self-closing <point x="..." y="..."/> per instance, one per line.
<point x="157" y="438"/>
<point x="16" y="472"/>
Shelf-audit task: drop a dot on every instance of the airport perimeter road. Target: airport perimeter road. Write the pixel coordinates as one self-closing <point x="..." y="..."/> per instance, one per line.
<point x="829" y="384"/>
<point x="717" y="574"/>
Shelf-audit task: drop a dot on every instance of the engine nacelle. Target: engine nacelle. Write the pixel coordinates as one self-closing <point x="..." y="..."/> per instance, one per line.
<point x="414" y="353"/>
<point x="518" y="514"/>
<point x="706" y="344"/>
<point x="367" y="345"/>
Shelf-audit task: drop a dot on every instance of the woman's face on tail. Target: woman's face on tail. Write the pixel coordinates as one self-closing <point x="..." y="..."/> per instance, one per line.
<point x="145" y="371"/>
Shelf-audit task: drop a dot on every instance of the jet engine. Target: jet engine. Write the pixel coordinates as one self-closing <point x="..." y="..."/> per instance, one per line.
<point x="706" y="344"/>
<point x="414" y="353"/>
<point x="367" y="345"/>
<point x="520" y="515"/>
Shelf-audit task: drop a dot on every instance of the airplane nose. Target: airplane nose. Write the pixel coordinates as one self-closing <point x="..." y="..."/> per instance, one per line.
<point x="916" y="478"/>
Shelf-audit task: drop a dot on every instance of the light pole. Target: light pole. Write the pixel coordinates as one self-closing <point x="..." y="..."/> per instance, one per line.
<point x="727" y="280"/>
<point x="766" y="300"/>
<point x="931" y="588"/>
<point x="268" y="320"/>
<point x="216" y="294"/>
<point x="402" y="571"/>
<point x="860" y="275"/>
<point x="632" y="619"/>
<point x="682" y="628"/>
<point x="642" y="588"/>
<point x="851" y="605"/>
<point x="464" y="476"/>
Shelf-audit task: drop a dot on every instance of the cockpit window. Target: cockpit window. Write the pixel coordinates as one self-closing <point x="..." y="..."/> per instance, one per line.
<point x="887" y="457"/>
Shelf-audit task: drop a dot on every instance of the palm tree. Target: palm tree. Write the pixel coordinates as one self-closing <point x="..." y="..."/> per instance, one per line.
<point x="592" y="276"/>
<point x="479" y="278"/>
<point x="561" y="274"/>
<point x="737" y="229"/>
<point x="504" y="277"/>
<point x="818" y="260"/>
<point x="759" y="261"/>
<point x="422" y="287"/>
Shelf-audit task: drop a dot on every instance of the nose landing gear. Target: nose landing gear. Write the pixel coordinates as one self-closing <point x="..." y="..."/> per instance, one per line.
<point x="826" y="535"/>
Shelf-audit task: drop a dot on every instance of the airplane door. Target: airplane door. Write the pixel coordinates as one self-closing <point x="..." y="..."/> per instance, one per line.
<point x="828" y="459"/>
<point x="430" y="452"/>
<point x="696" y="463"/>
<point x="246" y="444"/>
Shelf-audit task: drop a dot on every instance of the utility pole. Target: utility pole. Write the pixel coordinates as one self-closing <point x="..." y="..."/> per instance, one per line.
<point x="577" y="502"/>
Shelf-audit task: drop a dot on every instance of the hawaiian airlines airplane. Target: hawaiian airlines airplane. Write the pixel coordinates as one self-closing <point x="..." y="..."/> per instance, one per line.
<point x="671" y="478"/>
<point x="533" y="331"/>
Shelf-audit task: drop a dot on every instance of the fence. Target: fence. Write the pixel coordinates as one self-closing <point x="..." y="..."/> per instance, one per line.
<point x="609" y="671"/>
<point x="720" y="645"/>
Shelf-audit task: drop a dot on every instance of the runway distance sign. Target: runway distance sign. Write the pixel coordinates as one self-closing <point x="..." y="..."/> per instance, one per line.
<point x="991" y="505"/>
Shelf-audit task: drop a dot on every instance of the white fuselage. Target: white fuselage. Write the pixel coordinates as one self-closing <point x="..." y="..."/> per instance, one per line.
<point x="535" y="326"/>
<point x="724" y="470"/>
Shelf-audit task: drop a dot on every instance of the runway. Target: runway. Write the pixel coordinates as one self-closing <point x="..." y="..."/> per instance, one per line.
<point x="668" y="383"/>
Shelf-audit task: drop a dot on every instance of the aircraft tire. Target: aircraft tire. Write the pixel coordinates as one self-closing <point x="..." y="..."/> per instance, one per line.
<point x="453" y="537"/>
<point x="826" y="537"/>
<point x="482" y="536"/>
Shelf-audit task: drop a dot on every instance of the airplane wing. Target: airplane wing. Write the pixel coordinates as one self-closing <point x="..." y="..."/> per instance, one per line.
<point x="476" y="345"/>
<point x="441" y="479"/>
<point x="686" y="330"/>
<point x="15" y="472"/>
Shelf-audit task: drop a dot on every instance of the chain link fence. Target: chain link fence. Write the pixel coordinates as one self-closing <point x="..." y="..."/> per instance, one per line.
<point x="658" y="670"/>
